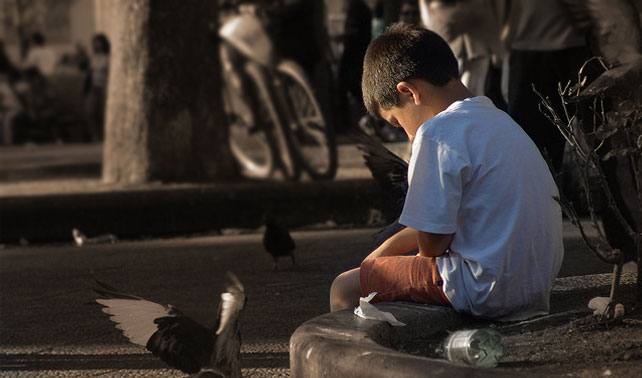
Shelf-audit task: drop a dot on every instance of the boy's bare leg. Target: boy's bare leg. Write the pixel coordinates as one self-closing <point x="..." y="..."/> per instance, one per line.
<point x="345" y="291"/>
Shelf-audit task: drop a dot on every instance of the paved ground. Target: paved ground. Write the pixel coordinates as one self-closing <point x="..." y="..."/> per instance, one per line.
<point x="50" y="326"/>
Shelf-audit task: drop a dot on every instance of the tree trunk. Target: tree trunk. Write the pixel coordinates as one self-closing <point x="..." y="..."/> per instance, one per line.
<point x="164" y="116"/>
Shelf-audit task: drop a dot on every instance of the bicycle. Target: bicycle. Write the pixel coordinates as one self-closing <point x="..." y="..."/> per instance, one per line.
<point x="275" y="120"/>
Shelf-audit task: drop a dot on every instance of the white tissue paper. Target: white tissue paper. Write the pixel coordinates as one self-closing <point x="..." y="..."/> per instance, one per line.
<point x="367" y="311"/>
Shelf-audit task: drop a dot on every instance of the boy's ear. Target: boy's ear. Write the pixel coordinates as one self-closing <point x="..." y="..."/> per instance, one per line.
<point x="408" y="92"/>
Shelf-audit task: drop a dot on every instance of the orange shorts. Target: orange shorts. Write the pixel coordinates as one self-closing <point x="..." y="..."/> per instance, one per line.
<point x="403" y="278"/>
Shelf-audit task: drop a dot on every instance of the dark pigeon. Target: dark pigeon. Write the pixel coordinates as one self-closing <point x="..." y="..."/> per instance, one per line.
<point x="176" y="339"/>
<point x="391" y="173"/>
<point x="277" y="241"/>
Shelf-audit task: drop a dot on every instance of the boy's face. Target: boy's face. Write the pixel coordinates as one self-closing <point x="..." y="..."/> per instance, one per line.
<point x="407" y="116"/>
<point x="419" y="101"/>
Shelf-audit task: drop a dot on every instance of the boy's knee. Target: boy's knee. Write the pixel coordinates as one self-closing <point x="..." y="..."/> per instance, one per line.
<point x="336" y="294"/>
<point x="343" y="292"/>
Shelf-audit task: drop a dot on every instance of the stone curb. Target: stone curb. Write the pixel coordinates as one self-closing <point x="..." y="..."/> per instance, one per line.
<point x="186" y="209"/>
<point x="341" y="344"/>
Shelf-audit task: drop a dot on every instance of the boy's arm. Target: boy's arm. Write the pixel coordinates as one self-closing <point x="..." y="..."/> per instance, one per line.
<point x="404" y="241"/>
<point x="433" y="245"/>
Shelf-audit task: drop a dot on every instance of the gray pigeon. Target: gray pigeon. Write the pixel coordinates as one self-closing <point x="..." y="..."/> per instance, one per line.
<point x="177" y="339"/>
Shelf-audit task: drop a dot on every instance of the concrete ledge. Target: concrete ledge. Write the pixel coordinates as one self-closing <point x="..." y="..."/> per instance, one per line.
<point x="341" y="344"/>
<point x="185" y="209"/>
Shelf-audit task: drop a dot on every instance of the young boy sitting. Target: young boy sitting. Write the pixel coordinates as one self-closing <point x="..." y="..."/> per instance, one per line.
<point x="481" y="205"/>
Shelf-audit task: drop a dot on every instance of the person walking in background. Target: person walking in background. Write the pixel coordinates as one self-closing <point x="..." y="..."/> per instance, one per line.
<point x="409" y="12"/>
<point x="38" y="65"/>
<point x="11" y="101"/>
<point x="472" y="29"/>
<point x="39" y="56"/>
<point x="357" y="35"/>
<point x="378" y="22"/>
<point x="96" y="86"/>
<point x="546" y="49"/>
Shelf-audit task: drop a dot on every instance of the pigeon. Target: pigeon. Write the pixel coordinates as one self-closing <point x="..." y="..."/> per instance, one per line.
<point x="277" y="241"/>
<point x="391" y="173"/>
<point x="388" y="169"/>
<point x="178" y="340"/>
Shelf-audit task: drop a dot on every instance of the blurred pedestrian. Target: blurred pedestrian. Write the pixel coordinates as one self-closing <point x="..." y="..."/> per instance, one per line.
<point x="357" y="33"/>
<point x="378" y="22"/>
<point x="472" y="29"/>
<point x="299" y="33"/>
<point x="11" y="105"/>
<point x="96" y="86"/>
<point x="38" y="65"/>
<point x="40" y="56"/>
<point x="409" y="12"/>
<point x="546" y="49"/>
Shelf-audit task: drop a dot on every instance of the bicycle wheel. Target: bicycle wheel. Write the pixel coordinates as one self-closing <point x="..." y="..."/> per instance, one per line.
<point x="272" y="123"/>
<point x="311" y="138"/>
<point x="249" y="144"/>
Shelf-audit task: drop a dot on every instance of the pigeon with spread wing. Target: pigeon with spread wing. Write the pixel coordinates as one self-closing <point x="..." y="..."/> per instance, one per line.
<point x="391" y="173"/>
<point x="177" y="339"/>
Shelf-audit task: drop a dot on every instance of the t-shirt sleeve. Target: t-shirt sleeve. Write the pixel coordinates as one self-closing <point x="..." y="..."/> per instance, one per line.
<point x="435" y="188"/>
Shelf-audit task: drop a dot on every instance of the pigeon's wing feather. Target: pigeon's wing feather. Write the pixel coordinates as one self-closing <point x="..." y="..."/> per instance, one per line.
<point x="228" y="339"/>
<point x="182" y="343"/>
<point x="176" y="339"/>
<point x="389" y="170"/>
<point x="132" y="314"/>
<point x="232" y="302"/>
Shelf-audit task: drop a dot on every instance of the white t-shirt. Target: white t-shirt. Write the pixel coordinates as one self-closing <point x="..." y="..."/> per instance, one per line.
<point x="42" y="58"/>
<point x="475" y="173"/>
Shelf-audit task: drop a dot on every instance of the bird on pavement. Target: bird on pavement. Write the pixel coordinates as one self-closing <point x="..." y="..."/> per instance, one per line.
<point x="277" y="241"/>
<point x="391" y="173"/>
<point x="176" y="339"/>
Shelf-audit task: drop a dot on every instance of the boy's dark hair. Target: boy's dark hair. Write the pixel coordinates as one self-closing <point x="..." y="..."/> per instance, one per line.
<point x="404" y="52"/>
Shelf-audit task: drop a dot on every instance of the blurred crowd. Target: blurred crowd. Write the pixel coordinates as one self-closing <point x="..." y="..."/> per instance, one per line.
<point x="504" y="49"/>
<point x="507" y="48"/>
<point x="33" y="91"/>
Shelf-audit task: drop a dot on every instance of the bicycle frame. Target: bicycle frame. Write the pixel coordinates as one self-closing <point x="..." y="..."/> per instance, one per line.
<point x="245" y="34"/>
<point x="250" y="62"/>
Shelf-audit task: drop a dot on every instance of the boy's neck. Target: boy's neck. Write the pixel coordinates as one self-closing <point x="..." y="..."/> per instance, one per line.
<point x="445" y="96"/>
